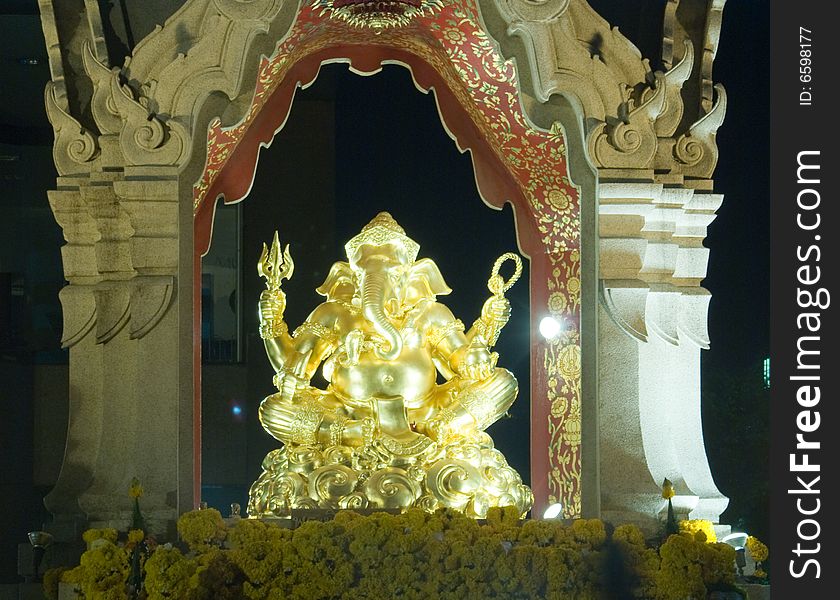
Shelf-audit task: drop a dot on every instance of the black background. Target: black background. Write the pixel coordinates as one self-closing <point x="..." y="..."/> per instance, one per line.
<point x="794" y="129"/>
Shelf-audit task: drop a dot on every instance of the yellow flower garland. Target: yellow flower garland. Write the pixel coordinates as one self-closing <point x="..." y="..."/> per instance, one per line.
<point x="201" y="529"/>
<point x="757" y="550"/>
<point x="412" y="555"/>
<point x="705" y="528"/>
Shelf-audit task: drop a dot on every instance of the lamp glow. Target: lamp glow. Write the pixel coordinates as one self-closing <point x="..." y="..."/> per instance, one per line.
<point x="237" y="411"/>
<point x="553" y="511"/>
<point x="549" y="328"/>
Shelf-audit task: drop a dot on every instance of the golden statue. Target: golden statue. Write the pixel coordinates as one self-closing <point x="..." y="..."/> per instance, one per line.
<point x="384" y="433"/>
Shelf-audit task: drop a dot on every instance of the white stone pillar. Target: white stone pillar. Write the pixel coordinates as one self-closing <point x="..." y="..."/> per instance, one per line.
<point x="651" y="333"/>
<point x="128" y="318"/>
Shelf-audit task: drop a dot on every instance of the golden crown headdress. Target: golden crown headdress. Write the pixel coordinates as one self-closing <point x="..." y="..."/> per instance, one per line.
<point x="383" y="229"/>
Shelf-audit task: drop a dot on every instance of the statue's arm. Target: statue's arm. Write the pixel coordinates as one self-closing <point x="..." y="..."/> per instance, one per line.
<point x="495" y="313"/>
<point x="299" y="353"/>
<point x="316" y="338"/>
<point x="273" y="329"/>
<point x="473" y="362"/>
<point x="453" y="351"/>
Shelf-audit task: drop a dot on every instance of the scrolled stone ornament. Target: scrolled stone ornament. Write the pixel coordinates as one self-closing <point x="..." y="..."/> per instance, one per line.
<point x="384" y="433"/>
<point x="248" y="9"/>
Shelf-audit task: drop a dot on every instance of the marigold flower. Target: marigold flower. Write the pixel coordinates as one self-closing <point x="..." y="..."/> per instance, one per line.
<point x="108" y="533"/>
<point x="700" y="529"/>
<point x="136" y="490"/>
<point x="757" y="550"/>
<point x="668" y="489"/>
<point x="135" y="536"/>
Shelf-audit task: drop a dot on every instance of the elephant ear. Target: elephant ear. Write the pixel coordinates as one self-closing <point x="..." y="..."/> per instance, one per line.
<point x="340" y="271"/>
<point x="425" y="281"/>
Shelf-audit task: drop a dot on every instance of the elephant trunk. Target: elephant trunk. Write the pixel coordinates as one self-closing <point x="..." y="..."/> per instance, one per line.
<point x="373" y="302"/>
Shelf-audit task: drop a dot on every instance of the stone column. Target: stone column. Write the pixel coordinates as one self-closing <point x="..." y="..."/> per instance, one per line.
<point x="128" y="325"/>
<point x="651" y="333"/>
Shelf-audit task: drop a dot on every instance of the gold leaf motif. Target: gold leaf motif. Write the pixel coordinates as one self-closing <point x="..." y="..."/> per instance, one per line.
<point x="329" y="483"/>
<point x="557" y="303"/>
<point x="453" y="482"/>
<point x="571" y="429"/>
<point x="559" y="199"/>
<point x="568" y="362"/>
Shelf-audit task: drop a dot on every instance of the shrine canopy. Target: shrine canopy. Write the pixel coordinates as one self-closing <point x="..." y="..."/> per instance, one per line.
<point x="479" y="101"/>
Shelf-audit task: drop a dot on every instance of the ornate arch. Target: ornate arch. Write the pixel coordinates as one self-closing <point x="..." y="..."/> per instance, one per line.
<point x="182" y="120"/>
<point x="479" y="103"/>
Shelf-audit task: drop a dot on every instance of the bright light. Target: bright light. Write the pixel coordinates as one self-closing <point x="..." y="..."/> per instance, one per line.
<point x="550" y="327"/>
<point x="236" y="410"/>
<point x="553" y="511"/>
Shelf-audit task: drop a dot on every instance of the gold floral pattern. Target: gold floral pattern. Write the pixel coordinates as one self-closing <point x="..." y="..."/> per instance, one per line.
<point x="453" y="42"/>
<point x="454" y="35"/>
<point x="568" y="362"/>
<point x="573" y="285"/>
<point x="557" y="303"/>
<point x="559" y="199"/>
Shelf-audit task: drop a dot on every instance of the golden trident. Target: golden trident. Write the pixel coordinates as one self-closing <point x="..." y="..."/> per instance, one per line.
<point x="274" y="266"/>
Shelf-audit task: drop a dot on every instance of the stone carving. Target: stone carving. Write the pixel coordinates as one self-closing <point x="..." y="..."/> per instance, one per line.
<point x="74" y="147"/>
<point x="629" y="141"/>
<point x="248" y="10"/>
<point x="692" y="311"/>
<point x="539" y="11"/>
<point x="150" y="298"/>
<point x="697" y="23"/>
<point x="112" y="310"/>
<point x="631" y="112"/>
<point x="697" y="149"/>
<point x="671" y="116"/>
<point x="102" y="103"/>
<point x="669" y="32"/>
<point x="79" y="311"/>
<point x="144" y="138"/>
<point x="626" y="305"/>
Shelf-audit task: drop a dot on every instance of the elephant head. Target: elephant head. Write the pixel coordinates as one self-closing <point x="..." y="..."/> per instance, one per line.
<point x="390" y="280"/>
